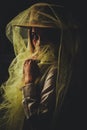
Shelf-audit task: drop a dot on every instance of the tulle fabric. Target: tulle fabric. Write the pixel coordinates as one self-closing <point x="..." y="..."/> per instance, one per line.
<point x="42" y="15"/>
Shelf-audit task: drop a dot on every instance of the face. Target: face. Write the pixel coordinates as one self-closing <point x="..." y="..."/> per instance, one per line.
<point x="41" y="36"/>
<point x="35" y="37"/>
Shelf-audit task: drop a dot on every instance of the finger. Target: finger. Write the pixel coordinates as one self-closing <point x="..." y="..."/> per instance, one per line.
<point x="27" y="61"/>
<point x="30" y="62"/>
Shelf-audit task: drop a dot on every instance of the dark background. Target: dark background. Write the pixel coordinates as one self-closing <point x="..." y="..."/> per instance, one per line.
<point x="73" y="112"/>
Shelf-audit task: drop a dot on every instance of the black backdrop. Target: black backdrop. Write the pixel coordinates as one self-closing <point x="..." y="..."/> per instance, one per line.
<point x="73" y="111"/>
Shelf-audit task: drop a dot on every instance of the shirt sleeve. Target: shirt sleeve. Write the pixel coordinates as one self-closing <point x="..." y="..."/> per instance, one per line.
<point x="47" y="96"/>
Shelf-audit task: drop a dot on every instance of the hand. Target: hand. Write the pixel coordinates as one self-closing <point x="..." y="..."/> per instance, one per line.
<point x="31" y="71"/>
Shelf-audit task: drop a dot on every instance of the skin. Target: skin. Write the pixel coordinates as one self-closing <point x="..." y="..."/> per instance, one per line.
<point x="31" y="69"/>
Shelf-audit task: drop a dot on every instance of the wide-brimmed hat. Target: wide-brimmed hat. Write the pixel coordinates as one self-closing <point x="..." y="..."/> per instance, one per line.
<point x="38" y="15"/>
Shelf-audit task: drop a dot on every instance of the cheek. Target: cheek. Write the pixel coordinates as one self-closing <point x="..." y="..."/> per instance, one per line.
<point x="36" y="43"/>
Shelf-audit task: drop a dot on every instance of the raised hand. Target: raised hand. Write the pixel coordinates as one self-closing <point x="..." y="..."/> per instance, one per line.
<point x="30" y="71"/>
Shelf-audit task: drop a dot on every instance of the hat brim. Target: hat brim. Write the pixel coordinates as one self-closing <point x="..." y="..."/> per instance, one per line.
<point x="34" y="25"/>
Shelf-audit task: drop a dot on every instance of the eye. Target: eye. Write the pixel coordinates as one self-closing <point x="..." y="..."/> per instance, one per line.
<point x="34" y="36"/>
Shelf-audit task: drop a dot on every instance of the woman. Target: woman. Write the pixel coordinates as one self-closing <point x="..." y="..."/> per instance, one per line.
<point x="39" y="98"/>
<point x="38" y="74"/>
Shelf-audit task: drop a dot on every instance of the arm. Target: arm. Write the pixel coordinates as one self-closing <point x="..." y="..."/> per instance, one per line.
<point x="48" y="93"/>
<point x="47" y="97"/>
